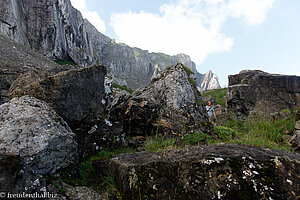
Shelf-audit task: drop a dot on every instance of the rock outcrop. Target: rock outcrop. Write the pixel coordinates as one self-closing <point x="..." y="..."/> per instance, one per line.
<point x="57" y="30"/>
<point x="255" y="92"/>
<point x="208" y="172"/>
<point x="170" y="104"/>
<point x="295" y="140"/>
<point x="34" y="141"/>
<point x="76" y="95"/>
<point x="208" y="81"/>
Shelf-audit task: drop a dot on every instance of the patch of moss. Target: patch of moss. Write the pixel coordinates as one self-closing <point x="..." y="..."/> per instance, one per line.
<point x="66" y="62"/>
<point x="115" y="85"/>
<point x="186" y="69"/>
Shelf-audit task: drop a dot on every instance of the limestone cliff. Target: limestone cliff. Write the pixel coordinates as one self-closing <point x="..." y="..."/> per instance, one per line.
<point x="57" y="30"/>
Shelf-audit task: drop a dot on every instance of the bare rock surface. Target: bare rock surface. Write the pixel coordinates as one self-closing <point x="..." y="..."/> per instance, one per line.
<point x="254" y="92"/>
<point x="76" y="94"/>
<point x="171" y="104"/>
<point x="209" y="172"/>
<point x="32" y="130"/>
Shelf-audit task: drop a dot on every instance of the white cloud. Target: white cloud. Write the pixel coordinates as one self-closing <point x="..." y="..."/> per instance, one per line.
<point x="298" y="74"/>
<point x="92" y="16"/>
<point x="187" y="26"/>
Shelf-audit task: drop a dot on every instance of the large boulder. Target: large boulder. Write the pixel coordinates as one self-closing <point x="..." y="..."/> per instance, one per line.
<point x="254" y="92"/>
<point x="208" y="172"/>
<point x="31" y="129"/>
<point x="76" y="95"/>
<point x="34" y="140"/>
<point x="170" y="104"/>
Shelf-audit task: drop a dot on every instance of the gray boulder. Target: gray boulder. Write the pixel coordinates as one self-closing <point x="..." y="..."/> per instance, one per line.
<point x="253" y="92"/>
<point x="170" y="104"/>
<point x="32" y="130"/>
<point x="76" y="95"/>
<point x="208" y="172"/>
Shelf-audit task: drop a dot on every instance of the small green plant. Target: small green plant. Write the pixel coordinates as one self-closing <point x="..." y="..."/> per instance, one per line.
<point x="115" y="85"/>
<point x="158" y="143"/>
<point x="224" y="133"/>
<point x="195" y="138"/>
<point x="193" y="82"/>
<point x="285" y="110"/>
<point x="186" y="69"/>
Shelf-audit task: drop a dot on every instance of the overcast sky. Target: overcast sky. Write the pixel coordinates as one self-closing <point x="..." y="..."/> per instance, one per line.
<point x="226" y="36"/>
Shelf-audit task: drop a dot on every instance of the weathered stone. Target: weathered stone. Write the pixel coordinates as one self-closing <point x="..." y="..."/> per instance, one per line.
<point x="208" y="172"/>
<point x="297" y="126"/>
<point x="171" y="104"/>
<point x="256" y="92"/>
<point x="295" y="140"/>
<point x="81" y="192"/>
<point x="75" y="95"/>
<point x="29" y="128"/>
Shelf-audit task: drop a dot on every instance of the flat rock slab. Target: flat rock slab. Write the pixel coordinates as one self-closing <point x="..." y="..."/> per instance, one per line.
<point x="209" y="172"/>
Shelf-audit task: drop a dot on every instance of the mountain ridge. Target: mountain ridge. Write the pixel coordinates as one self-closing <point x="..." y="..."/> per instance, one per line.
<point x="57" y="30"/>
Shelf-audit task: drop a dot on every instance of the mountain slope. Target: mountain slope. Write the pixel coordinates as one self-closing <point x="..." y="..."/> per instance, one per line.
<point x="57" y="30"/>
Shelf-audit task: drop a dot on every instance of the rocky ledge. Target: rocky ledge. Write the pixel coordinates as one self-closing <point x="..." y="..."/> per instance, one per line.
<point x="208" y="172"/>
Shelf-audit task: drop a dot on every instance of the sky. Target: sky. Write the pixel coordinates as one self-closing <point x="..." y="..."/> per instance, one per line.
<point x="225" y="36"/>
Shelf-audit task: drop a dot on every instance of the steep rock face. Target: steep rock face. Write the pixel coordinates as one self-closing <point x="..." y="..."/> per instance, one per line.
<point x="253" y="91"/>
<point x="32" y="130"/>
<point x="16" y="59"/>
<point x="57" y="30"/>
<point x="54" y="28"/>
<point x="208" y="81"/>
<point x="135" y="67"/>
<point x="169" y="104"/>
<point x="208" y="172"/>
<point x="76" y="95"/>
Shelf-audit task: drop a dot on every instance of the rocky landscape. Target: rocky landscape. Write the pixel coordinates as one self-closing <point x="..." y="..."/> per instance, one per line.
<point x="57" y="30"/>
<point x="72" y="131"/>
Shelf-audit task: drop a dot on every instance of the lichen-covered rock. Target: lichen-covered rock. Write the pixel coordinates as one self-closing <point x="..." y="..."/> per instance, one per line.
<point x="81" y="192"/>
<point x="170" y="104"/>
<point x="208" y="172"/>
<point x="76" y="95"/>
<point x="253" y="92"/>
<point x="32" y="130"/>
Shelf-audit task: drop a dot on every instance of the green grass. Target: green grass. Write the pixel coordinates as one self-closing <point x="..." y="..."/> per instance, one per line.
<point x="265" y="133"/>
<point x="158" y="143"/>
<point x="217" y="94"/>
<point x="86" y="169"/>
<point x="195" y="138"/>
<point x="115" y="85"/>
<point x="262" y="132"/>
